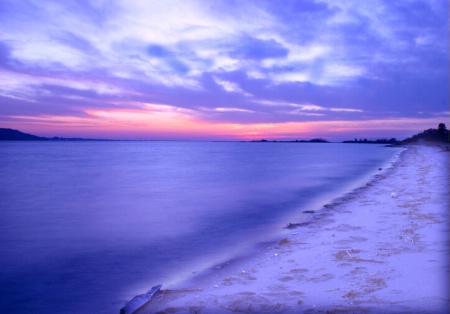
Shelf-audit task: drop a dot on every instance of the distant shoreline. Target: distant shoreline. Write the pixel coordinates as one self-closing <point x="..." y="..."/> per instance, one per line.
<point x="430" y="136"/>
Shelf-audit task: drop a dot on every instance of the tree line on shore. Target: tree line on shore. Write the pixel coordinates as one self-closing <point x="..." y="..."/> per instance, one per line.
<point x="378" y="141"/>
<point x="439" y="135"/>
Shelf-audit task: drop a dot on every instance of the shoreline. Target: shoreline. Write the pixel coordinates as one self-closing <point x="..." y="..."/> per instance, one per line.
<point x="368" y="251"/>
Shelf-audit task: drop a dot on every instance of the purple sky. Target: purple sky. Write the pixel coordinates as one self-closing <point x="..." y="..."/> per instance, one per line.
<point x="224" y="69"/>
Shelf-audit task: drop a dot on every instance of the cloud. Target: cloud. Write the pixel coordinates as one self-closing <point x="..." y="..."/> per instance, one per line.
<point x="257" y="49"/>
<point x="77" y="42"/>
<point x="168" y="57"/>
<point x="226" y="62"/>
<point x="232" y="110"/>
<point x="158" y="51"/>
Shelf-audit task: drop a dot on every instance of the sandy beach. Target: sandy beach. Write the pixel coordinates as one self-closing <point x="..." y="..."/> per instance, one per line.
<point x="381" y="249"/>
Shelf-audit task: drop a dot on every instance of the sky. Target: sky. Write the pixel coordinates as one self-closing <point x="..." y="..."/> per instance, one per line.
<point x="224" y="69"/>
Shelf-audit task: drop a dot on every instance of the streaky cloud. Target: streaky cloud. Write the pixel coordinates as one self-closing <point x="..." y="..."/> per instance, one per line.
<point x="258" y="49"/>
<point x="227" y="62"/>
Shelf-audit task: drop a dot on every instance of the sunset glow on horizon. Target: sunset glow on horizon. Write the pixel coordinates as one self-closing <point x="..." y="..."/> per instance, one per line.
<point x="221" y="70"/>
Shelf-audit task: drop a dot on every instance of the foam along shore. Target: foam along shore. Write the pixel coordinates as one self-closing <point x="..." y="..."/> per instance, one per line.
<point x="384" y="248"/>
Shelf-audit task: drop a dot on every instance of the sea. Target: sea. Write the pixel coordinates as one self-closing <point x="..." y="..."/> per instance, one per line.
<point x="87" y="225"/>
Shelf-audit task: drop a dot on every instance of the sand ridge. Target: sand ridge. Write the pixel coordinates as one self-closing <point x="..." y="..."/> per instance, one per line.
<point x="381" y="249"/>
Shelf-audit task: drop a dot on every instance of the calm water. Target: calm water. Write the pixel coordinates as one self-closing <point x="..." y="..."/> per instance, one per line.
<point x="84" y="226"/>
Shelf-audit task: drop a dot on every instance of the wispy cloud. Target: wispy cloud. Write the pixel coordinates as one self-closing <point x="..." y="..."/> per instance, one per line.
<point x="225" y="62"/>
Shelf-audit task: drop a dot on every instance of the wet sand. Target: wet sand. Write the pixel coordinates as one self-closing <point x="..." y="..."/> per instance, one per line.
<point x="381" y="249"/>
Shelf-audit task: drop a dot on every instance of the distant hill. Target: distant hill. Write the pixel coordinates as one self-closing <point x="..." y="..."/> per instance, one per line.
<point x="14" y="135"/>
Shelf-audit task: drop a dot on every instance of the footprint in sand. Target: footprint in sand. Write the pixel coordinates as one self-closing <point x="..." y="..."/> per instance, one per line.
<point x="299" y="270"/>
<point x="358" y="239"/>
<point x="346" y="227"/>
<point x="322" y="277"/>
<point x="286" y="278"/>
<point x="252" y="304"/>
